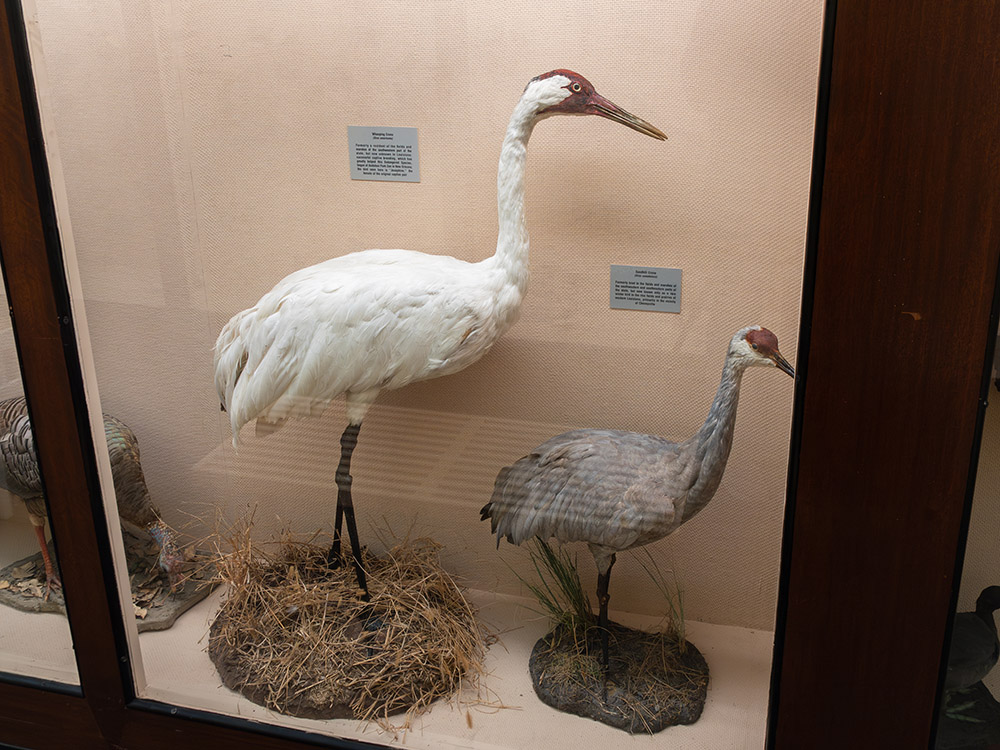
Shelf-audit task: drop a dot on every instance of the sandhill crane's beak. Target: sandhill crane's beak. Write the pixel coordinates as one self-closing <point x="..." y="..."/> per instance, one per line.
<point x="782" y="364"/>
<point x="605" y="108"/>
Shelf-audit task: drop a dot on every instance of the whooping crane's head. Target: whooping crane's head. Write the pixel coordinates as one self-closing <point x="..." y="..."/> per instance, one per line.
<point x="563" y="92"/>
<point x="758" y="347"/>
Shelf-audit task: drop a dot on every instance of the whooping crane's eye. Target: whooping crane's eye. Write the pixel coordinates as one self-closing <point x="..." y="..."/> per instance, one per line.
<point x="754" y="346"/>
<point x="576" y="87"/>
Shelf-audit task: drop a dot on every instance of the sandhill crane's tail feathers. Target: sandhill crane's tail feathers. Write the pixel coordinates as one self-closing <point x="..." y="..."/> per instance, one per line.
<point x="484" y="512"/>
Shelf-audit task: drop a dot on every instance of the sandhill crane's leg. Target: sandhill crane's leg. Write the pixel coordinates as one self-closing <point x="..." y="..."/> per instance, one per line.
<point x="51" y="579"/>
<point x="345" y="507"/>
<point x="603" y="597"/>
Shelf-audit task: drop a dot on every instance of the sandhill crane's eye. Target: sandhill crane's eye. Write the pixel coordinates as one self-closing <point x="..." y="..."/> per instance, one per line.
<point x="576" y="87"/>
<point x="754" y="346"/>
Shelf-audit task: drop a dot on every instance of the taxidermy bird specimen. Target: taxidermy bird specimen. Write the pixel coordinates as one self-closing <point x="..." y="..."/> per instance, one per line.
<point x="617" y="490"/>
<point x="974" y="650"/>
<point x="20" y="475"/>
<point x="377" y="319"/>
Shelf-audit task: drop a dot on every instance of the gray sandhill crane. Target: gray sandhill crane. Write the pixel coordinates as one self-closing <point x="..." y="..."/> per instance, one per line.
<point x="617" y="490"/>
<point x="377" y="319"/>
<point x="19" y="474"/>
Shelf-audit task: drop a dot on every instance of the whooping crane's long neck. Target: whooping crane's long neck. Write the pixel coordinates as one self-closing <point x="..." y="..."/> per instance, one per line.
<point x="710" y="446"/>
<point x="512" y="240"/>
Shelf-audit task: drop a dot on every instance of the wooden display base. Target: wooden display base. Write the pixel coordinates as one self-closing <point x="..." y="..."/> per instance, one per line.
<point x="326" y="699"/>
<point x="22" y="585"/>
<point x="652" y="684"/>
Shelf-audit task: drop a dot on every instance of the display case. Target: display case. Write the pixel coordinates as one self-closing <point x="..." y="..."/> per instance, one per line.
<point x="177" y="189"/>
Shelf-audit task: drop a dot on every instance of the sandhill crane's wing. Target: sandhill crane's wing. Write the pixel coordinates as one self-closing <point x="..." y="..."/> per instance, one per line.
<point x="598" y="486"/>
<point x="20" y="464"/>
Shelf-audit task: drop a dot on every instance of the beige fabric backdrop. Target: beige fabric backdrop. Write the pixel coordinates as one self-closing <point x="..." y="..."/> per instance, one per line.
<point x="204" y="148"/>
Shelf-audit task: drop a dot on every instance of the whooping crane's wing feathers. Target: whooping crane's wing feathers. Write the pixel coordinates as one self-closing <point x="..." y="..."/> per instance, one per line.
<point x="355" y="325"/>
<point x="597" y="486"/>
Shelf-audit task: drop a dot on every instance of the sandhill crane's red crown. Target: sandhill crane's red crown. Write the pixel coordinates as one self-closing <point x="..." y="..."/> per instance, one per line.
<point x="763" y="341"/>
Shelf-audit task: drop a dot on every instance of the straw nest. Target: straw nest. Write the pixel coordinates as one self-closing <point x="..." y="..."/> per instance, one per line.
<point x="295" y="637"/>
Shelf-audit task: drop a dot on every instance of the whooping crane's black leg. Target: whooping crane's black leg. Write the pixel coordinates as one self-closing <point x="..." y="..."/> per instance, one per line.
<point x="602" y="598"/>
<point x="345" y="508"/>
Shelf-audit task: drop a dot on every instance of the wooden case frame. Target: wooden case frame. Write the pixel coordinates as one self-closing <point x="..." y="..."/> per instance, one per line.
<point x="897" y="327"/>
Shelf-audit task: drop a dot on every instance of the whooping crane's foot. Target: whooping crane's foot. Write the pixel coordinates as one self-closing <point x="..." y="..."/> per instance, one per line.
<point x="333" y="559"/>
<point x="359" y="570"/>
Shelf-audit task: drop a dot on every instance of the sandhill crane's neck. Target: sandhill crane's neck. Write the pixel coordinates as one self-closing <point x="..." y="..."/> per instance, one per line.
<point x="712" y="443"/>
<point x="512" y="240"/>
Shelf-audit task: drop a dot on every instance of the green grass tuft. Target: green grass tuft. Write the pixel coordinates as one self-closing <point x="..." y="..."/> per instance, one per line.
<point x="558" y="588"/>
<point x="673" y="596"/>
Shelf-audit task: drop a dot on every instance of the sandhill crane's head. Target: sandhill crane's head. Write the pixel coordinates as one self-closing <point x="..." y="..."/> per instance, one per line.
<point x="756" y="346"/>
<point x="563" y="92"/>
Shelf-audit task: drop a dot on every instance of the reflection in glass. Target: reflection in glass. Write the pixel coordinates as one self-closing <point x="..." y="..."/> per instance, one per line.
<point x="970" y="712"/>
<point x="35" y="638"/>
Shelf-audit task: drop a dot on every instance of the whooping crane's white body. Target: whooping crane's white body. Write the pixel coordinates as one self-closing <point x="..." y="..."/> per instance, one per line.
<point x="357" y="324"/>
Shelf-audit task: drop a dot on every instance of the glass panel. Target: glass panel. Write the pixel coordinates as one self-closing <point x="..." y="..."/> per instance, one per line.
<point x="970" y="715"/>
<point x="35" y="639"/>
<point x="206" y="156"/>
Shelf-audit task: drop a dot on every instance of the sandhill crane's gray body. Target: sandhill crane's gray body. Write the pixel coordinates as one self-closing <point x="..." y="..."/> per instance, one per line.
<point x="616" y="490"/>
<point x="19" y="474"/>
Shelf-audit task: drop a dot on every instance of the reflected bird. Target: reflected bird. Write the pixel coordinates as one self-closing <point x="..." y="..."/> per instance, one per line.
<point x="19" y="474"/>
<point x="974" y="650"/>
<point x="377" y="319"/>
<point x="617" y="490"/>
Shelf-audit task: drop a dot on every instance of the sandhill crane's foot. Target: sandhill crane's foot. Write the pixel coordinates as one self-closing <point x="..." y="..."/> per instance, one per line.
<point x="176" y="582"/>
<point x="51" y="582"/>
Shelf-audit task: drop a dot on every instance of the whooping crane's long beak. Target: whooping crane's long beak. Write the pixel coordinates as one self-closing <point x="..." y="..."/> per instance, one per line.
<point x="605" y="108"/>
<point x="782" y="364"/>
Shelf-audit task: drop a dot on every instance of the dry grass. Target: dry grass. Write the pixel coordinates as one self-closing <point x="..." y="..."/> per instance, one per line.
<point x="294" y="635"/>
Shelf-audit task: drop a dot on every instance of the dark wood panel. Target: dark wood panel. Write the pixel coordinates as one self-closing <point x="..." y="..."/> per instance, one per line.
<point x="42" y="719"/>
<point x="44" y="340"/>
<point x="904" y="270"/>
<point x="906" y="265"/>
